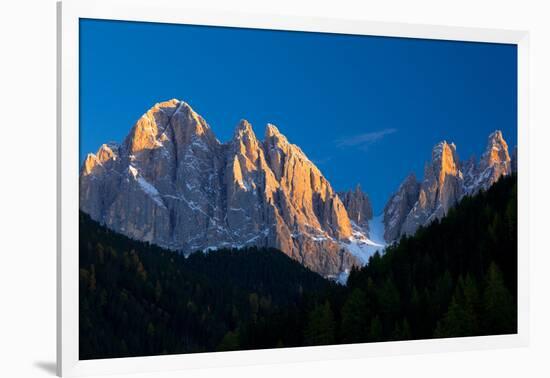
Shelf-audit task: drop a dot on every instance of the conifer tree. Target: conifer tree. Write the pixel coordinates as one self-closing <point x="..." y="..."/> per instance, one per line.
<point x="320" y="328"/>
<point x="355" y="317"/>
<point x="499" y="308"/>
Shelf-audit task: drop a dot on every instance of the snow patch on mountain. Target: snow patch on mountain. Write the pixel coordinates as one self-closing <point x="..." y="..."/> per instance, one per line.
<point x="363" y="245"/>
<point x="146" y="186"/>
<point x="150" y="190"/>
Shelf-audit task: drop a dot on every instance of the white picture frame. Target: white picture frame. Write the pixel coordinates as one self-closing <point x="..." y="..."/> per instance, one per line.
<point x="170" y="11"/>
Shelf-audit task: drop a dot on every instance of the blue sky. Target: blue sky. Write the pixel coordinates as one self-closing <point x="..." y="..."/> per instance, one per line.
<point x="366" y="110"/>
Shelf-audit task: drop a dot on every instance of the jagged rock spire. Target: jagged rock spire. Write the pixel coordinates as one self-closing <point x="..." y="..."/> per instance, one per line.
<point x="495" y="162"/>
<point x="446" y="181"/>
<point x="399" y="206"/>
<point x="358" y="206"/>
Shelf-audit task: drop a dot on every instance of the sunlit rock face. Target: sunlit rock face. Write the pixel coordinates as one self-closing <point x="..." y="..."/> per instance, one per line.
<point x="358" y="206"/>
<point x="441" y="188"/>
<point x="495" y="162"/>
<point x="446" y="181"/>
<point x="306" y="193"/>
<point x="172" y="183"/>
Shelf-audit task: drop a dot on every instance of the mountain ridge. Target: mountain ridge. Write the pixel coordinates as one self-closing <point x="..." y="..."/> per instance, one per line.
<point x="172" y="183"/>
<point x="446" y="180"/>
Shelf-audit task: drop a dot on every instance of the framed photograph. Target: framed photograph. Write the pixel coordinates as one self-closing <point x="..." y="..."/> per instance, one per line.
<point x="240" y="188"/>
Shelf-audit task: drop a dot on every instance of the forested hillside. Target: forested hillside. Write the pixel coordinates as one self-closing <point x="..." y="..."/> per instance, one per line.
<point x="456" y="277"/>
<point x="138" y="299"/>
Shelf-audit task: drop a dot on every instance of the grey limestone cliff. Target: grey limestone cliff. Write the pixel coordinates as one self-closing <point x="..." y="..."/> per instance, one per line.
<point x="172" y="183"/>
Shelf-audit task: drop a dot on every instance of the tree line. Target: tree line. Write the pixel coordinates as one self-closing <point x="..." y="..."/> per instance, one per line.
<point x="456" y="277"/>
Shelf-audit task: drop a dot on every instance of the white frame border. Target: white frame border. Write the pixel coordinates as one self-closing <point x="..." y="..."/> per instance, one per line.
<point x="170" y="11"/>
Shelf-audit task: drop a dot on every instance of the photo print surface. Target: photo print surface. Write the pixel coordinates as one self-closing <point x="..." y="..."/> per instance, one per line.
<point x="249" y="189"/>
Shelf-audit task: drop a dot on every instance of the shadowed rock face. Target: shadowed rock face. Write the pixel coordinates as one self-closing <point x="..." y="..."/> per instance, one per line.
<point x="446" y="181"/>
<point x="358" y="206"/>
<point x="172" y="183"/>
<point x="399" y="206"/>
<point x="514" y="158"/>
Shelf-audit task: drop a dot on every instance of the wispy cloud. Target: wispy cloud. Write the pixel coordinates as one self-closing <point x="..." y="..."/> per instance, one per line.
<point x="364" y="140"/>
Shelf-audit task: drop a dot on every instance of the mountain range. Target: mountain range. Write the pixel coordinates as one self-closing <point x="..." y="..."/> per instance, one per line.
<point x="446" y="181"/>
<point x="172" y="183"/>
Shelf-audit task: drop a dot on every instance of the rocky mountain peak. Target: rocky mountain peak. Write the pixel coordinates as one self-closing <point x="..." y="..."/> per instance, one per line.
<point x="496" y="138"/>
<point x="173" y="121"/>
<point x="244" y="128"/>
<point x="245" y="140"/>
<point x="271" y="131"/>
<point x="274" y="138"/>
<point x="174" y="184"/>
<point x="107" y="152"/>
<point x="90" y="163"/>
<point x="399" y="206"/>
<point x="497" y="149"/>
<point x="410" y="180"/>
<point x="104" y="154"/>
<point x="441" y="189"/>
<point x="358" y="206"/>
<point x="446" y="181"/>
<point x="496" y="157"/>
<point x="444" y="161"/>
<point x="276" y="149"/>
<point x="169" y="104"/>
<point x="494" y="163"/>
<point x="246" y="159"/>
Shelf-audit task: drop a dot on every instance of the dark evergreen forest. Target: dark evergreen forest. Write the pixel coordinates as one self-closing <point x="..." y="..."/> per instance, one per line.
<point x="456" y="277"/>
